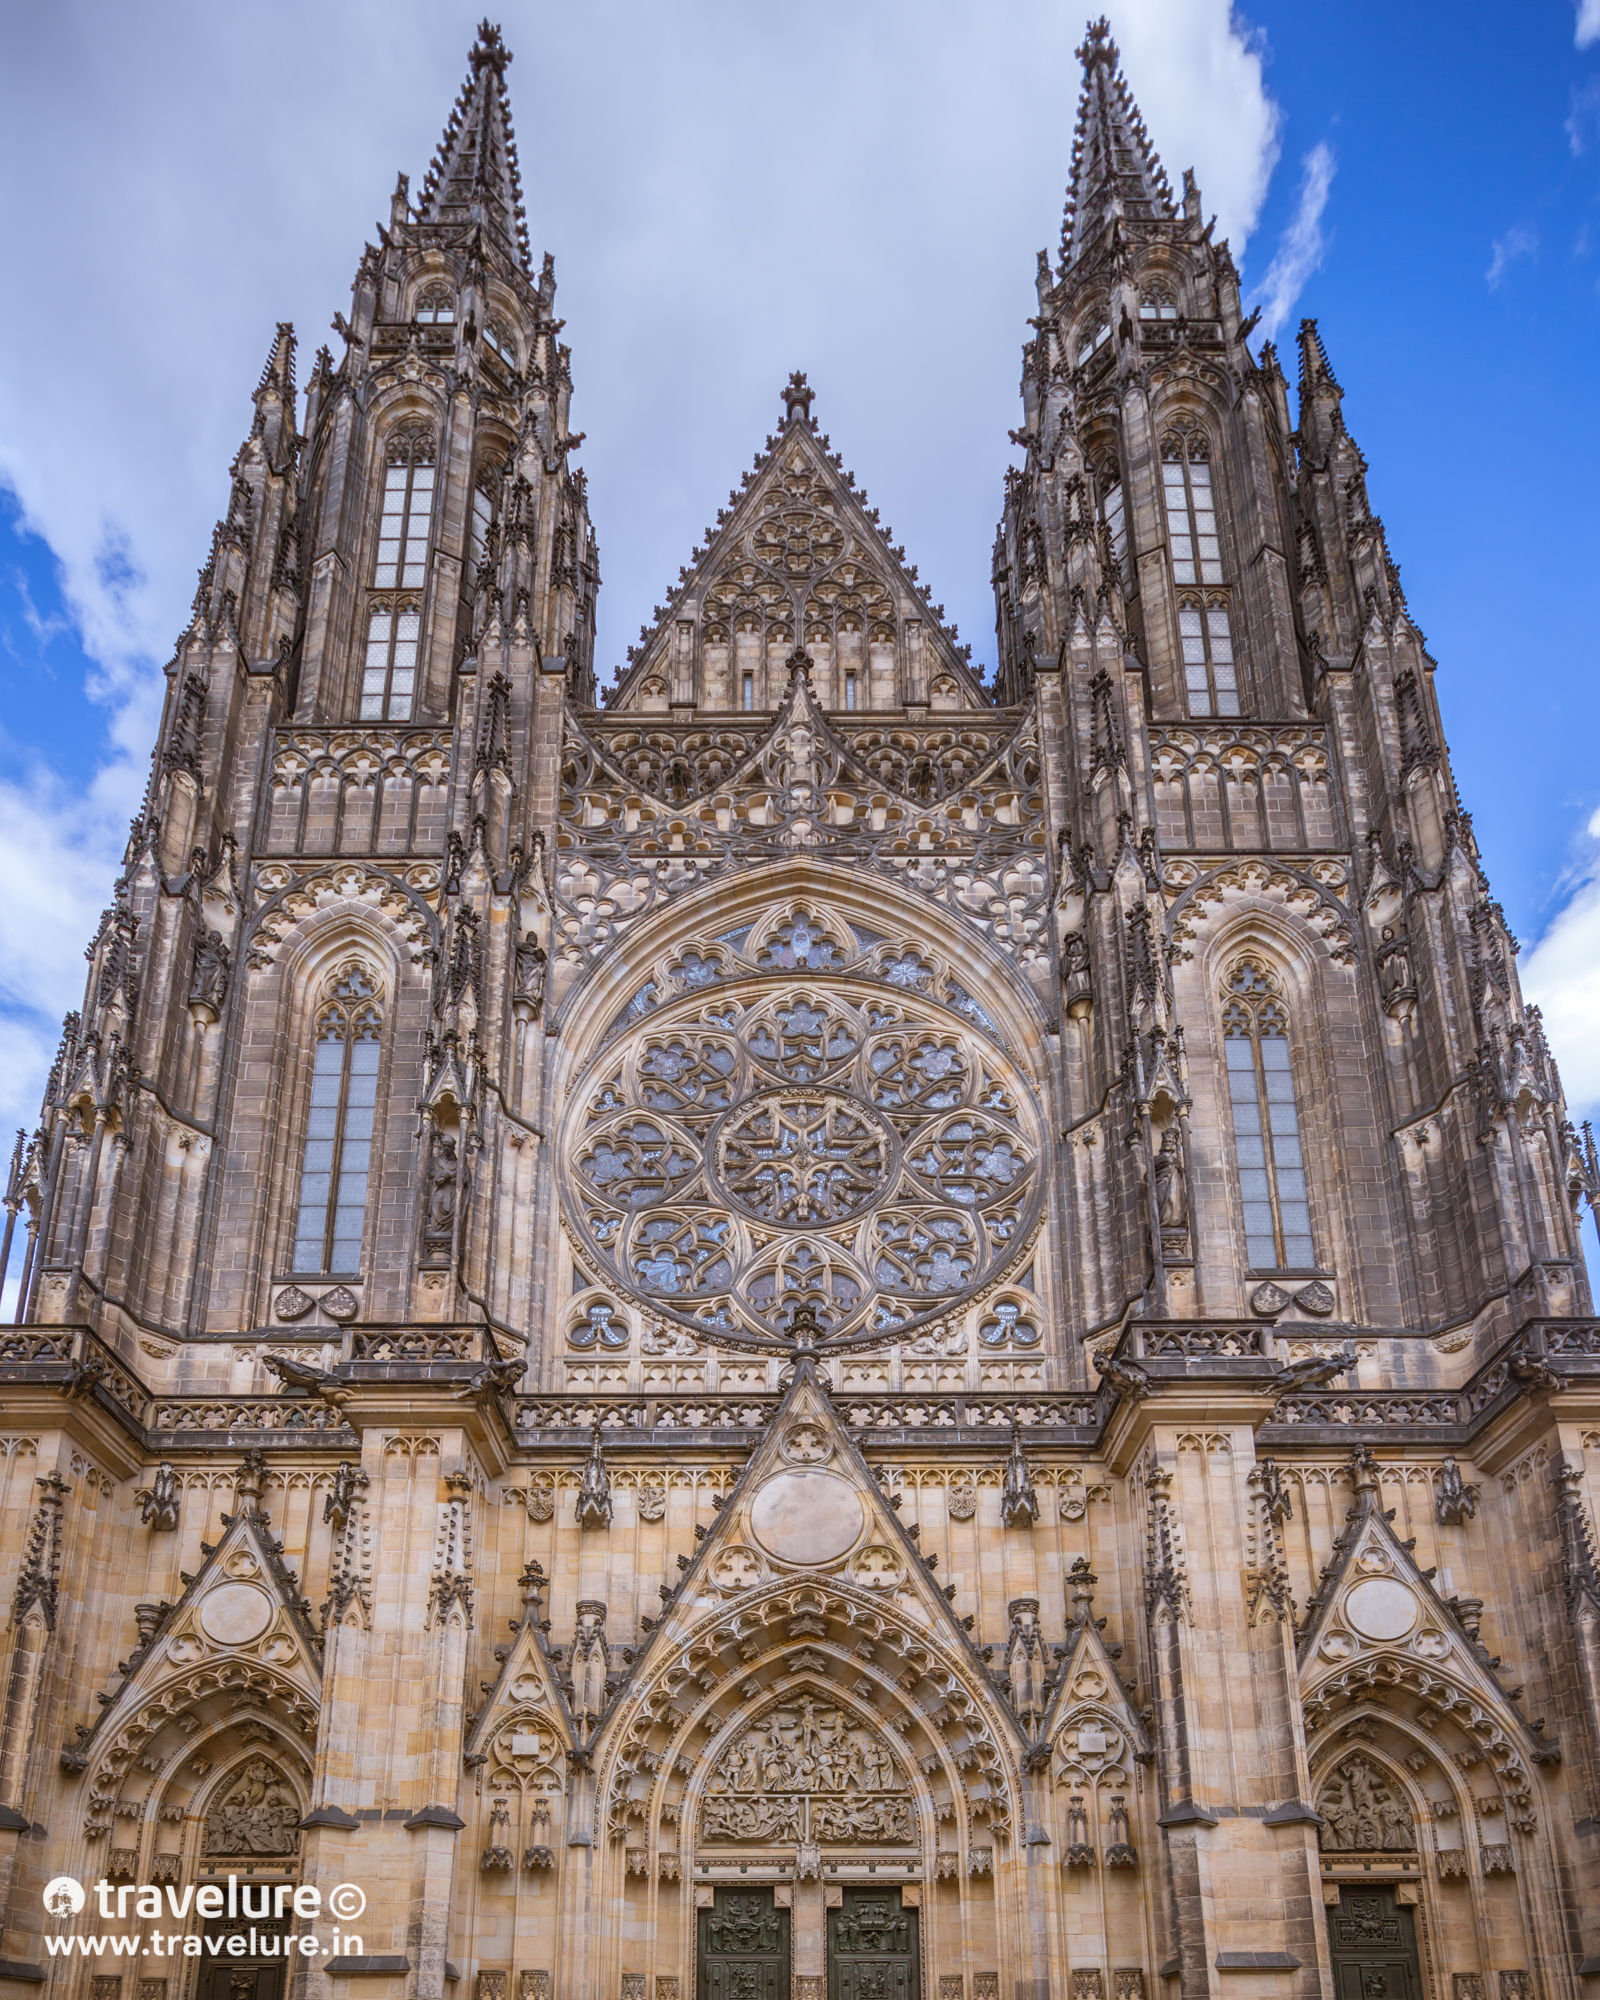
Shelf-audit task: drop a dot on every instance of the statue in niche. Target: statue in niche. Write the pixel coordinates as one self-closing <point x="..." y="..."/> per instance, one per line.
<point x="444" y="1168"/>
<point x="591" y="1663"/>
<point x="208" y="980"/>
<point x="261" y="1815"/>
<point x="1025" y="1660"/>
<point x="1172" y="1195"/>
<point x="532" y="970"/>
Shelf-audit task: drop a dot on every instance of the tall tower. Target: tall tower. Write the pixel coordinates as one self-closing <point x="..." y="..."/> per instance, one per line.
<point x="822" y="1328"/>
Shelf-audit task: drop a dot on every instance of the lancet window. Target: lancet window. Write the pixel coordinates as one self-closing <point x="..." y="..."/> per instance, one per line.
<point x="1113" y="508"/>
<point x="338" y="1146"/>
<point x="1191" y="511"/>
<point x="1210" y="675"/>
<point x="1157" y="305"/>
<point x="479" y="522"/>
<point x="499" y="336"/>
<point x="402" y="559"/>
<point x="1094" y="337"/>
<point x="1266" y="1122"/>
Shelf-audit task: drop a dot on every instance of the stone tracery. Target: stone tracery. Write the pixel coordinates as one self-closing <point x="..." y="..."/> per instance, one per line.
<point x="735" y="1158"/>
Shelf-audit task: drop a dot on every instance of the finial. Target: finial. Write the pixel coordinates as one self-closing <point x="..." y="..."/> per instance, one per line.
<point x="804" y="1329"/>
<point x="1081" y="1581"/>
<point x="489" y="50"/>
<point x="1097" y="44"/>
<point x="799" y="665"/>
<point x="797" y="391"/>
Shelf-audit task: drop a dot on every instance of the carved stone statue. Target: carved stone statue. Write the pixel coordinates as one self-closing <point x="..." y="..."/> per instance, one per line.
<point x="444" y="1169"/>
<point x="208" y="980"/>
<point x="349" y="1482"/>
<point x="532" y="970"/>
<point x="1025" y="1661"/>
<point x="594" y="1491"/>
<point x="1019" y="1505"/>
<point x="1172" y="1195"/>
<point x="1077" y="994"/>
<point x="158" y="1502"/>
<point x="591" y="1663"/>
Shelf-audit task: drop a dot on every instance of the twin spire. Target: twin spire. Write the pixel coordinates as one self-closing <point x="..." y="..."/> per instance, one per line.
<point x="474" y="173"/>
<point x="1115" y="171"/>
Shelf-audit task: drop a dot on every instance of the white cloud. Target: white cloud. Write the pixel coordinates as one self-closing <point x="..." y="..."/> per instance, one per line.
<point x="726" y="201"/>
<point x="1516" y="242"/>
<point x="1561" y="976"/>
<point x="1302" y="246"/>
<point x="1588" y="23"/>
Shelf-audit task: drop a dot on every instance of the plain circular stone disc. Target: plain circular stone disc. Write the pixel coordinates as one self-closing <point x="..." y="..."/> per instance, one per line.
<point x="807" y="1517"/>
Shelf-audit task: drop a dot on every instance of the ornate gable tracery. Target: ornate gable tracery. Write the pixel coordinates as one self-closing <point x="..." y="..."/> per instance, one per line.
<point x="967" y="833"/>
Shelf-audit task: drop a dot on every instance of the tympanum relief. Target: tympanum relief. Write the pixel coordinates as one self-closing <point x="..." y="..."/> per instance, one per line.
<point x="808" y="1772"/>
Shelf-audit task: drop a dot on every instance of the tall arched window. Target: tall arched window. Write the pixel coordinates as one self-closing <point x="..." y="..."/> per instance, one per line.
<point x="1211" y="679"/>
<point x="500" y="337"/>
<point x="1191" y="511"/>
<point x="1204" y="632"/>
<point x="1266" y="1124"/>
<point x="338" y="1149"/>
<point x="1112" y="505"/>
<point x="389" y="675"/>
<point x="407" y="511"/>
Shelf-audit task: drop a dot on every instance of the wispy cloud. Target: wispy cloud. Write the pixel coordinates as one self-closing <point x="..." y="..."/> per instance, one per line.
<point x="1588" y="23"/>
<point x="1561" y="974"/>
<point x="1302" y="245"/>
<point x="1516" y="242"/>
<point x="1583" y="121"/>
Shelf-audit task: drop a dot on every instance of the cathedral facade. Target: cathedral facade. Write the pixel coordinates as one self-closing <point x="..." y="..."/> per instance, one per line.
<point x="821" y="1328"/>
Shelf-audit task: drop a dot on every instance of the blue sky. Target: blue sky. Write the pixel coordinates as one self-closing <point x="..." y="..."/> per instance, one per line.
<point x="728" y="199"/>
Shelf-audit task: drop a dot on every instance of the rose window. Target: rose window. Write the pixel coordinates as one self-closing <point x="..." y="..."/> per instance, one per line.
<point x="863" y="1156"/>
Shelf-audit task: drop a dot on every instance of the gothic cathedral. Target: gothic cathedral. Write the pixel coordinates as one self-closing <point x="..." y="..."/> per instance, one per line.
<point x="820" y="1328"/>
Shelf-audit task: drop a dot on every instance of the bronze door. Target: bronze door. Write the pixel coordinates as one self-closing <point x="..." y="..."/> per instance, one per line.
<point x="744" y="1947"/>
<point x="1374" y="1945"/>
<point x="872" y="1947"/>
<point x="256" y="1975"/>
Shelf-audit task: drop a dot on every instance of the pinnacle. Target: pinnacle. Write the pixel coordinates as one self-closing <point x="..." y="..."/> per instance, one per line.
<point x="278" y="374"/>
<point x="1115" y="171"/>
<point x="1314" y="358"/>
<point x="474" y="174"/>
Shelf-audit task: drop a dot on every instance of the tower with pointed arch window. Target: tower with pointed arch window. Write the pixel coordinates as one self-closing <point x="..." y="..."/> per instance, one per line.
<point x="824" y="1326"/>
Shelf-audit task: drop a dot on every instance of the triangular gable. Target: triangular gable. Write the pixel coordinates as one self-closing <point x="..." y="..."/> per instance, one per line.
<point x="527" y="1699"/>
<point x="807" y="1501"/>
<point x="240" y="1635"/>
<point x="1375" y="1603"/>
<point x="1089" y="1693"/>
<point x="797" y="559"/>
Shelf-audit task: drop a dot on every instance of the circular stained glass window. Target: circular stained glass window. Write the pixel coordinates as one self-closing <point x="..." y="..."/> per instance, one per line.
<point x="873" y="1160"/>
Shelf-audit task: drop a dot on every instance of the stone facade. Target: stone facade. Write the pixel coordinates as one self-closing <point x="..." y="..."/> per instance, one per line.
<point x="821" y="1323"/>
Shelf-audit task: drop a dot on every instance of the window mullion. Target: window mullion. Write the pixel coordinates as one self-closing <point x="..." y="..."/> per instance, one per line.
<point x="1268" y="1151"/>
<point x="338" y="1154"/>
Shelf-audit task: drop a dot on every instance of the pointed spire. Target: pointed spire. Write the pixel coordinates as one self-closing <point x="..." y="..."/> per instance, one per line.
<point x="1115" y="171"/>
<point x="274" y="394"/>
<point x="474" y="175"/>
<point x="1314" y="369"/>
